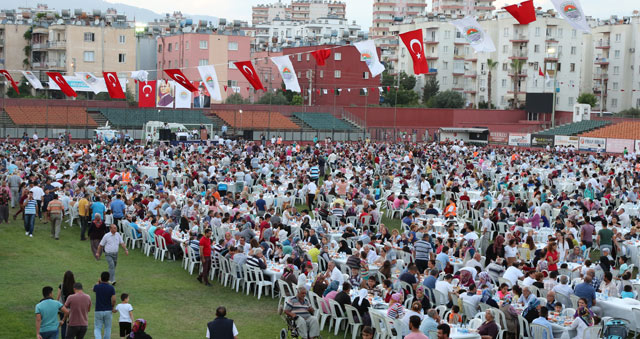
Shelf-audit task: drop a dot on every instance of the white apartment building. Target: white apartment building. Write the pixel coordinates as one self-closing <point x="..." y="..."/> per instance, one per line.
<point x="613" y="70"/>
<point x="386" y="14"/>
<point x="298" y="10"/>
<point x="549" y="42"/>
<point x="289" y="33"/>
<point x="480" y="8"/>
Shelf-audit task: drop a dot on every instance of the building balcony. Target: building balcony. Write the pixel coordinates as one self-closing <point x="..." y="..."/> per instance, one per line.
<point x="519" y="38"/>
<point x="485" y="8"/>
<point x="1" y="42"/>
<point x="471" y="59"/>
<point x="470" y="91"/>
<point x="60" y="44"/>
<point x="459" y="89"/>
<point x="550" y="39"/>
<point x="460" y="41"/>
<point x="458" y="57"/>
<point x="431" y="42"/>
<point x="523" y="73"/>
<point x="433" y="71"/>
<point x="458" y="73"/>
<point x="601" y="62"/>
<point x="519" y="55"/>
<point x="55" y="65"/>
<point x="600" y="76"/>
<point x="471" y="74"/>
<point x="603" y="44"/>
<point x="40" y="30"/>
<point x="431" y="57"/>
<point x="551" y="58"/>
<point x="39" y="46"/>
<point x="597" y="90"/>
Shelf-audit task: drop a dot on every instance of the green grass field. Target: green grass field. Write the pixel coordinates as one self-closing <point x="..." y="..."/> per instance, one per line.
<point x="174" y="304"/>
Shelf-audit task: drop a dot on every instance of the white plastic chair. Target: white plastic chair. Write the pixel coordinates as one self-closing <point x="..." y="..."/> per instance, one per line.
<point x="260" y="282"/>
<point x="161" y="248"/>
<point x="352" y="314"/>
<point x="192" y="262"/>
<point x="539" y="331"/>
<point x="337" y="315"/>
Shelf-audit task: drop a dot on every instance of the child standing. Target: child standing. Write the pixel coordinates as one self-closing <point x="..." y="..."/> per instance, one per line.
<point x="126" y="315"/>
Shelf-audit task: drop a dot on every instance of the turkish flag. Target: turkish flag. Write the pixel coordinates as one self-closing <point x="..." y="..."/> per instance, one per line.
<point x="321" y="56"/>
<point x="540" y="72"/>
<point x="524" y="12"/>
<point x="246" y="68"/>
<point x="414" y="43"/>
<point x="225" y="88"/>
<point x="177" y="75"/>
<point x="64" y="86"/>
<point x="147" y="93"/>
<point x="113" y="85"/>
<point x="8" y="76"/>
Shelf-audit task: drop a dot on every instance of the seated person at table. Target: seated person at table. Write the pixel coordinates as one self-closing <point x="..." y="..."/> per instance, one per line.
<point x="627" y="292"/>
<point x="415" y="310"/>
<point x="585" y="290"/>
<point x="431" y="210"/>
<point x="362" y="304"/>
<point x="495" y="269"/>
<point x="626" y="280"/>
<point x="542" y="320"/>
<point x="343" y="297"/>
<point x="514" y="272"/>
<point x="471" y="296"/>
<point x="582" y="321"/>
<point x="503" y="291"/>
<point x="396" y="310"/>
<point x="431" y="279"/>
<point x="575" y="256"/>
<point x="414" y="328"/>
<point x="410" y="276"/>
<point x="299" y="309"/>
<point x="563" y="287"/>
<point x="622" y="261"/>
<point x="488" y="329"/>
<point x="606" y="260"/>
<point x="289" y="277"/>
<point x="387" y="290"/>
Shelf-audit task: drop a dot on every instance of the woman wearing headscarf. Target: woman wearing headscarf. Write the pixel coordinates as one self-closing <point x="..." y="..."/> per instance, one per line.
<point x="289" y="277"/>
<point x="495" y="250"/>
<point x="484" y="279"/>
<point x="583" y="320"/>
<point x="396" y="310"/>
<point x="344" y="247"/>
<point x="510" y="315"/>
<point x="531" y="310"/>
<point x="137" y="330"/>
<point x="361" y="303"/>
<point x="487" y="298"/>
<point x="329" y="294"/>
<point x="466" y="278"/>
<point x="535" y="219"/>
<point x="421" y="297"/>
<point x="97" y="230"/>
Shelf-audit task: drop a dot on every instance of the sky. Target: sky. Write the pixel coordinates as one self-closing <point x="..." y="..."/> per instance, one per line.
<point x="358" y="10"/>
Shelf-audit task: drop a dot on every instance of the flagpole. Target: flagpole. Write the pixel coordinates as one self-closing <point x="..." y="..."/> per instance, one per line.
<point x="395" y="106"/>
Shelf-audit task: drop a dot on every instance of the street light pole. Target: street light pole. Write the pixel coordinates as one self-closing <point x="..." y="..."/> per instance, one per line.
<point x="552" y="51"/>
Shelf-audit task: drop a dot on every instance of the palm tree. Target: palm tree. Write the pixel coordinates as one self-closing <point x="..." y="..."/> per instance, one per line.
<point x="490" y="65"/>
<point x="516" y="67"/>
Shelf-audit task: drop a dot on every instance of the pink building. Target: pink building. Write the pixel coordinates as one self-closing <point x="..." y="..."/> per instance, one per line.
<point x="269" y="74"/>
<point x="187" y="51"/>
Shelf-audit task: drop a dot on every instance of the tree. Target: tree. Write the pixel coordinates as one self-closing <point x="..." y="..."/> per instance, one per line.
<point x="296" y="100"/>
<point x="430" y="89"/>
<point x="235" y="98"/>
<point x="447" y="99"/>
<point x="630" y="112"/>
<point x="485" y="105"/>
<point x="588" y="98"/>
<point x="490" y="66"/>
<point x="23" y="87"/>
<point x="271" y="98"/>
<point x="516" y="68"/>
<point x="406" y="96"/>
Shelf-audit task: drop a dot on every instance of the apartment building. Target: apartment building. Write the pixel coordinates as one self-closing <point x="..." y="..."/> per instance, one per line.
<point x="290" y="33"/>
<point x="480" y="8"/>
<point x="547" y="43"/>
<point x="613" y="73"/>
<point x="189" y="50"/>
<point x="12" y="43"/>
<point x="386" y="13"/>
<point x="300" y="10"/>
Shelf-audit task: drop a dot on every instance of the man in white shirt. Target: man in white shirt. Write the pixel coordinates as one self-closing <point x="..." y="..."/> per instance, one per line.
<point x="153" y="205"/>
<point x="514" y="273"/>
<point x="475" y="261"/>
<point x="334" y="273"/>
<point x="563" y="287"/>
<point x="445" y="287"/>
<point x="471" y="296"/>
<point x="38" y="193"/>
<point x="110" y="243"/>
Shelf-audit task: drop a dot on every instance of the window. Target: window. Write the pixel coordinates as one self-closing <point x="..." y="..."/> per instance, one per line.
<point x="637" y="102"/>
<point x="447" y="34"/>
<point x="299" y="56"/>
<point x="364" y="92"/>
<point x="570" y="101"/>
<point x="614" y="102"/>
<point x="574" y="33"/>
<point x="159" y="48"/>
<point x="122" y="39"/>
<point x="505" y="49"/>
<point x="321" y="73"/>
<point x="536" y="48"/>
<point x="88" y="36"/>
<point x="176" y="47"/>
<point x="169" y="47"/>
<point x="307" y="56"/>
<point x="337" y="74"/>
<point x="573" y="50"/>
<point x="615" y="85"/>
<point x="445" y="65"/>
<point x="186" y="63"/>
<point x="122" y="58"/>
<point x="618" y="37"/>
<point x="560" y="32"/>
<point x="308" y="74"/>
<point x="204" y="44"/>
<point x="537" y="31"/>
<point x="232" y="46"/>
<point x="445" y="80"/>
<point x="505" y="67"/>
<point x="169" y="63"/>
<point x="232" y="83"/>
<point x="616" y="70"/>
<point x="232" y="65"/>
<point x="202" y="62"/>
<point x="616" y="54"/>
<point x="337" y="56"/>
<point x="506" y="32"/>
<point x="572" y="67"/>
<point x="504" y="83"/>
<point x="89" y="56"/>
<point x="445" y="49"/>
<point x="559" y="67"/>
<point x="365" y="75"/>
<point x="186" y="45"/>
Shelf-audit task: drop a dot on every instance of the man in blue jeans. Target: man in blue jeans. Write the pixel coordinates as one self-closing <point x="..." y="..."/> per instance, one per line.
<point x="105" y="302"/>
<point x="47" y="321"/>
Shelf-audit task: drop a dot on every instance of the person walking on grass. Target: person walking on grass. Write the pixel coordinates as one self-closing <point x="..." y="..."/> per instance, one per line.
<point x="30" y="205"/>
<point x="110" y="243"/>
<point x="79" y="305"/>
<point x="55" y="211"/>
<point x="47" y="321"/>
<point x="105" y="303"/>
<point x="5" y="198"/>
<point x="126" y="315"/>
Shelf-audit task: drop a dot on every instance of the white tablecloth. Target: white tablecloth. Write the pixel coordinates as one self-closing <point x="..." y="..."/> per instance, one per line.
<point x="619" y="308"/>
<point x="150" y="171"/>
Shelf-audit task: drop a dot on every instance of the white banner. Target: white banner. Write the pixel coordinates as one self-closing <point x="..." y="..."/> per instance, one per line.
<point x="33" y="80"/>
<point x="183" y="96"/>
<point x="618" y="145"/>
<point x="519" y="139"/>
<point x="571" y="10"/>
<point x="79" y="85"/>
<point x="474" y="34"/>
<point x="140" y="75"/>
<point x="592" y="144"/>
<point x="369" y="55"/>
<point x="91" y="81"/>
<point x="637" y="146"/>
<point x="210" y="79"/>
<point x="567" y="141"/>
<point x="288" y="74"/>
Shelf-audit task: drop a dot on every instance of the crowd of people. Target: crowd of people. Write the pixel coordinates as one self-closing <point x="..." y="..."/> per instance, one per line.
<point x="509" y="232"/>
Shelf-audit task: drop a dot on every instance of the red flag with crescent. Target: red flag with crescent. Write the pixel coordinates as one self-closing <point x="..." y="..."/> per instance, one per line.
<point x="179" y="77"/>
<point x="147" y="93"/>
<point x="246" y="68"/>
<point x="321" y="56"/>
<point x="8" y="76"/>
<point x="415" y="44"/>
<point x="113" y="85"/>
<point x="64" y="86"/>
